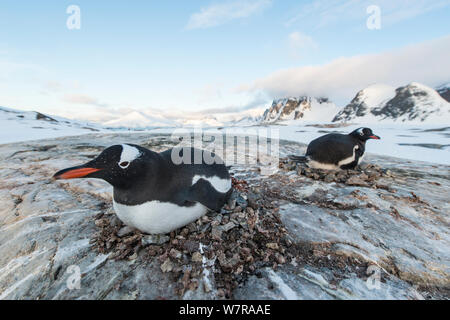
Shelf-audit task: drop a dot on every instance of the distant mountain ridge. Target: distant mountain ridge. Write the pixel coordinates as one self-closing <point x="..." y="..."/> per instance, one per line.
<point x="20" y="125"/>
<point x="299" y="108"/>
<point x="444" y="91"/>
<point x="413" y="103"/>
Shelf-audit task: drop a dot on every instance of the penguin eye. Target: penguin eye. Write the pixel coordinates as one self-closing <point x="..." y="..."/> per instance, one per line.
<point x="124" y="164"/>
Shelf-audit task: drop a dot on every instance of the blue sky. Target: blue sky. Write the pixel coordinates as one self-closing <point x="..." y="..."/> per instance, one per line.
<point x="190" y="56"/>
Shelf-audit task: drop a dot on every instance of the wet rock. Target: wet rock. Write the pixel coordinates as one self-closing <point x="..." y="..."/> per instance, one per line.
<point x="310" y="235"/>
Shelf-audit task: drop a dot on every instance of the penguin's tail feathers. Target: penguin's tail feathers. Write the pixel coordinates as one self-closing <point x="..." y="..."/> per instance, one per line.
<point x="298" y="159"/>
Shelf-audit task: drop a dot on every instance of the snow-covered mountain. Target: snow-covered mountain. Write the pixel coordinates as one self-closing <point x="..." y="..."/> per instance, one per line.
<point x="301" y="108"/>
<point x="19" y="125"/>
<point x="444" y="91"/>
<point x="372" y="97"/>
<point x="413" y="103"/>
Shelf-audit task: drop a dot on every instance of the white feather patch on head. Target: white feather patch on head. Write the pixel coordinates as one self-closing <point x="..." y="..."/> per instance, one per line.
<point x="129" y="153"/>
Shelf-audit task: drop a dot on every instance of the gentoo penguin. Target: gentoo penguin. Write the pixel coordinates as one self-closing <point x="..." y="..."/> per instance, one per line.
<point x="152" y="193"/>
<point x="337" y="151"/>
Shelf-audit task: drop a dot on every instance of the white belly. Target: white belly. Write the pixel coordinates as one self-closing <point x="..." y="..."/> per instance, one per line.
<point x="323" y="166"/>
<point x="155" y="217"/>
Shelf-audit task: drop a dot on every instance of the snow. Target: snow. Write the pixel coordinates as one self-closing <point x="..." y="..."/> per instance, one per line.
<point x="414" y="103"/>
<point x="311" y="108"/>
<point x="397" y="140"/>
<point x="423" y="142"/>
<point x="137" y="120"/>
<point x="377" y="95"/>
<point x="24" y="126"/>
<point x="437" y="108"/>
<point x="324" y="111"/>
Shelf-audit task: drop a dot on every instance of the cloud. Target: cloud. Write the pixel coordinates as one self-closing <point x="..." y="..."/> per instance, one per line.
<point x="83" y="99"/>
<point x="300" y="44"/>
<point x="341" y="78"/>
<point x="218" y="14"/>
<point x="324" y="13"/>
<point x="258" y="100"/>
<point x="53" y="86"/>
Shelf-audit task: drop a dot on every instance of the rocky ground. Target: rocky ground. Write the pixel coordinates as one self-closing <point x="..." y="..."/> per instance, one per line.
<point x="379" y="232"/>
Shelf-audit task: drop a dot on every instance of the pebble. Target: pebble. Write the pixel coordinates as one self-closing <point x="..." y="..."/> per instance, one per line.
<point x="228" y="226"/>
<point x="272" y="245"/>
<point x="154" y="239"/>
<point x="125" y="231"/>
<point x="167" y="266"/>
<point x="197" y="257"/>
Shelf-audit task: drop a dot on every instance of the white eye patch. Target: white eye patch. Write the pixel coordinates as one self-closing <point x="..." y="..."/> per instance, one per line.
<point x="128" y="154"/>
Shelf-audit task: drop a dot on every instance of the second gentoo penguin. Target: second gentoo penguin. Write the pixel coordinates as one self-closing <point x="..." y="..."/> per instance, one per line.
<point x="337" y="151"/>
<point x="152" y="193"/>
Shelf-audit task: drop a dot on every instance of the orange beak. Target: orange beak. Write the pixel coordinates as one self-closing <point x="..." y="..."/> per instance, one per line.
<point x="73" y="173"/>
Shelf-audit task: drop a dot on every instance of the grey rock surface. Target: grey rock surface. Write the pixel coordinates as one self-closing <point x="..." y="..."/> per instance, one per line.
<point x="354" y="242"/>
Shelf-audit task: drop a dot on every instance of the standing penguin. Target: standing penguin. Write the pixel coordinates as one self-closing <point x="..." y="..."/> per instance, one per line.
<point x="337" y="151"/>
<point x="151" y="192"/>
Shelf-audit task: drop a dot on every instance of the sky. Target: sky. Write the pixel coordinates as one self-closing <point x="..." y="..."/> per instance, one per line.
<point x="204" y="56"/>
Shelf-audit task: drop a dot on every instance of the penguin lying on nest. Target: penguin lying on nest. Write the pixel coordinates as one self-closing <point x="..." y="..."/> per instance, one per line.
<point x="153" y="194"/>
<point x="337" y="151"/>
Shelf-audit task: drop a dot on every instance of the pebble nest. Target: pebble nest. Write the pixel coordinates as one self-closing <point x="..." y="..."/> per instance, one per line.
<point x="226" y="246"/>
<point x="366" y="175"/>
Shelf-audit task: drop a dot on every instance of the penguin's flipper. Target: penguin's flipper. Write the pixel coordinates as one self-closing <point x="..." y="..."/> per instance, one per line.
<point x="298" y="159"/>
<point x="203" y="192"/>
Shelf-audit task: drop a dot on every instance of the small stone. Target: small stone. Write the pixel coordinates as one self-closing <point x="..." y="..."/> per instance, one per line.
<point x="280" y="259"/>
<point x="184" y="232"/>
<point x="357" y="181"/>
<point x="175" y="253"/>
<point x="272" y="245"/>
<point x="252" y="200"/>
<point x="190" y="246"/>
<point x="231" y="204"/>
<point x="101" y="222"/>
<point x="215" y="223"/>
<point x="133" y="256"/>
<point x="237" y="209"/>
<point x="167" y="266"/>
<point x="115" y="222"/>
<point x="154" y="239"/>
<point x="216" y="233"/>
<point x="197" y="257"/>
<point x="206" y="287"/>
<point x="228" y="226"/>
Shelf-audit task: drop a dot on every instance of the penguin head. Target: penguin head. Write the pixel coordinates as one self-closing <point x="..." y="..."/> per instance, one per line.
<point x="364" y="134"/>
<point x="120" y="165"/>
